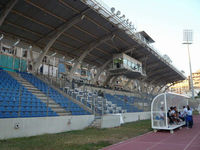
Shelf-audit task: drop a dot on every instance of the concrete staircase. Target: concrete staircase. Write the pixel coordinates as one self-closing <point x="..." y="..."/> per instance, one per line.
<point x="96" y="123"/>
<point x="45" y="99"/>
<point x="47" y="80"/>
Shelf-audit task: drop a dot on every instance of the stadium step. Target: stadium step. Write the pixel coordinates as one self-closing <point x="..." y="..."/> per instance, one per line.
<point x="47" y="81"/>
<point x="96" y="123"/>
<point x="45" y="99"/>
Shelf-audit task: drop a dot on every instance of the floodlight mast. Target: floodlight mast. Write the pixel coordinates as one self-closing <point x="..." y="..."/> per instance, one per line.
<point x="187" y="39"/>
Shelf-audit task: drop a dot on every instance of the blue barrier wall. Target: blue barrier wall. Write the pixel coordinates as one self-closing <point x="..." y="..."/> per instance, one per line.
<point x="12" y="63"/>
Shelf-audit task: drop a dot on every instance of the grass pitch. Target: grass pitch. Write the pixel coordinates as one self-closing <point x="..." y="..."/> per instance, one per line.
<point x="87" y="139"/>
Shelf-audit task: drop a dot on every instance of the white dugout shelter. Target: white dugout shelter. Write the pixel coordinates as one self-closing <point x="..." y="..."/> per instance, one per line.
<point x="160" y="106"/>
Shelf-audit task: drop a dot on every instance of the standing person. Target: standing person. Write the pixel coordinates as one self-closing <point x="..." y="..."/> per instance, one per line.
<point x="72" y="83"/>
<point x="185" y="110"/>
<point x="189" y="117"/>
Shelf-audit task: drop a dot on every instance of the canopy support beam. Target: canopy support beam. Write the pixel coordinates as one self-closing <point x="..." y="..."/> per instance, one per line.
<point x="7" y="10"/>
<point x="100" y="70"/>
<point x="90" y="47"/>
<point x="55" y="34"/>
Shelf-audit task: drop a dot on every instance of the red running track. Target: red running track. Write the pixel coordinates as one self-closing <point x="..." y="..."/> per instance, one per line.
<point x="184" y="139"/>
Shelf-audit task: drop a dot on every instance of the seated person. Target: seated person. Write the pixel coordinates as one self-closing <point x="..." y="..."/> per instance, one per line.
<point x="161" y="114"/>
<point x="170" y="119"/>
<point x="161" y="117"/>
<point x="181" y="116"/>
<point x="176" y="115"/>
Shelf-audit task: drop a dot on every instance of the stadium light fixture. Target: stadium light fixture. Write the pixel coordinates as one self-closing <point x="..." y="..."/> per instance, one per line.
<point x="127" y="20"/>
<point x="122" y="17"/>
<point x="112" y="10"/>
<point x="82" y="17"/>
<point x="188" y="39"/>
<point x="53" y="54"/>
<point x="30" y="47"/>
<point x="17" y="42"/>
<point x="1" y="37"/>
<point x="130" y="23"/>
<point x="118" y="13"/>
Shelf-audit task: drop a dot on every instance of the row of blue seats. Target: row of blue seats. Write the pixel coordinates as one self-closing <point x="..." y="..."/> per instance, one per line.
<point x="15" y="114"/>
<point x="55" y="95"/>
<point x="122" y="104"/>
<point x="15" y="97"/>
<point x="23" y="108"/>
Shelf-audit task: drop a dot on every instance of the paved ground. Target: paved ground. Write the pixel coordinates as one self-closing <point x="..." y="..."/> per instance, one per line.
<point x="184" y="139"/>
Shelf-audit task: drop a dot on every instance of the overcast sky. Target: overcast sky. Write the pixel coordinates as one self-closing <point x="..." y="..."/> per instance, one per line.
<point x="164" y="21"/>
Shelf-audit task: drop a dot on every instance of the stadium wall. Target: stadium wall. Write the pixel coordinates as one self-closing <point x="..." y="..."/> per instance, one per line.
<point x="131" y="117"/>
<point x="25" y="127"/>
<point x="114" y="120"/>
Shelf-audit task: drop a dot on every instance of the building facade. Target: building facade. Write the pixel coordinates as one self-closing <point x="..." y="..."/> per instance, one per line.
<point x="183" y="87"/>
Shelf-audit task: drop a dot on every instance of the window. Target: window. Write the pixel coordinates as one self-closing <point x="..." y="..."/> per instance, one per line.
<point x="132" y="66"/>
<point x="24" y="53"/>
<point x="44" y="59"/>
<point x="129" y="64"/>
<point x="125" y="62"/>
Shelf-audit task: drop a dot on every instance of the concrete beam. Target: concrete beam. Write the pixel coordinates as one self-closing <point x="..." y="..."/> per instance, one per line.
<point x="130" y="49"/>
<point x="168" y="87"/>
<point x="152" y="90"/>
<point x="127" y="83"/>
<point x="114" y="79"/>
<point x="55" y="34"/>
<point x="6" y="10"/>
<point x="161" y="87"/>
<point x="100" y="70"/>
<point x="89" y="48"/>
<point x="107" y="80"/>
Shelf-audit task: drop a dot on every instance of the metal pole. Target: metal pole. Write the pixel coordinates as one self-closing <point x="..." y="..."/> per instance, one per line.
<point x="191" y="80"/>
<point x="20" y="96"/>
<point x="48" y="101"/>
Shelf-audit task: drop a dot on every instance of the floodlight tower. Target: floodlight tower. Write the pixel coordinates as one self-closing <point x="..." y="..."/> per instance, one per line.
<point x="187" y="39"/>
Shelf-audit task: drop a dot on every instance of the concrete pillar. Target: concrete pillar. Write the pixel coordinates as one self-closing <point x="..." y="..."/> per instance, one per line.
<point x="107" y="80"/>
<point x="100" y="70"/>
<point x="127" y="83"/>
<point x="114" y="80"/>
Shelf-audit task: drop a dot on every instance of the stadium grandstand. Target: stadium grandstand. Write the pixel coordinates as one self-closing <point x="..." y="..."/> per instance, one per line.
<point x="70" y="62"/>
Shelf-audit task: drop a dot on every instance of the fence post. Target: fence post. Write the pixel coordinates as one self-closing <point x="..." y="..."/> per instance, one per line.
<point x="102" y="106"/>
<point x="20" y="94"/>
<point x="48" y="101"/>
<point x="94" y="105"/>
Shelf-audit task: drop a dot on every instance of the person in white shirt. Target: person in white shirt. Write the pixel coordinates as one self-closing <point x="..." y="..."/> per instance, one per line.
<point x="161" y="114"/>
<point x="185" y="110"/>
<point x="189" y="117"/>
<point x="183" y="113"/>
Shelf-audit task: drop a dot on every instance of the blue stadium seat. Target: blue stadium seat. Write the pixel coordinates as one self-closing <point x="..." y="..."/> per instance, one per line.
<point x="10" y="99"/>
<point x="55" y="95"/>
